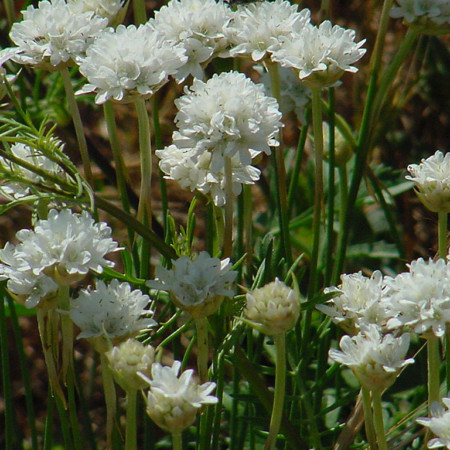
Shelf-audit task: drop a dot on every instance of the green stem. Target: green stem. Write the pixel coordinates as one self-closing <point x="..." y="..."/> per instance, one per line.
<point x="140" y="13"/>
<point x="378" y="420"/>
<point x="77" y="123"/>
<point x="110" y="398"/>
<point x="66" y="331"/>
<point x="248" y="228"/>
<point x="73" y="417"/>
<point x="202" y="348"/>
<point x="229" y="197"/>
<point x="280" y="383"/>
<point x="281" y="174"/>
<point x="130" y="432"/>
<point x="10" y="12"/>
<point x="177" y="441"/>
<point x="368" y="419"/>
<point x="220" y="229"/>
<point x="434" y="383"/>
<point x="442" y="234"/>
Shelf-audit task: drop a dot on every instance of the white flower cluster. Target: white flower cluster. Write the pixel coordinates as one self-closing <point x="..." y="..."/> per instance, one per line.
<point x="129" y="62"/>
<point x="430" y="16"/>
<point x="103" y="8"/>
<point x="32" y="156"/>
<point x="113" y="310"/>
<point x="173" y="401"/>
<point x="375" y="359"/>
<point x="257" y="25"/>
<point x="199" y="285"/>
<point x="432" y="181"/>
<point x="53" y="34"/>
<point x="199" y="26"/>
<point x="59" y="250"/>
<point x="214" y="122"/>
<point x="439" y="424"/>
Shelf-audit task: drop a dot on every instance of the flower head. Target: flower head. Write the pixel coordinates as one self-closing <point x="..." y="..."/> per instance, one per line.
<point x="255" y="26"/>
<point x="113" y="10"/>
<point x="432" y="181"/>
<point x="359" y="301"/>
<point x="197" y="286"/>
<point x="129" y="358"/>
<point x="60" y="250"/>
<point x="439" y="424"/>
<point x="197" y="25"/>
<point x="129" y="62"/>
<point x="320" y="55"/>
<point x="173" y="401"/>
<point x="114" y="311"/>
<point x="53" y="35"/>
<point x="5" y="55"/>
<point x="274" y="308"/>
<point x="375" y="359"/>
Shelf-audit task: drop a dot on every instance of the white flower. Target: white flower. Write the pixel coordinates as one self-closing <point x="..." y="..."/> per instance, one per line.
<point x="320" y="55"/>
<point x="198" y="25"/>
<point x="5" y="55"/>
<point x="32" y="156"/>
<point x="62" y="248"/>
<point x="197" y="286"/>
<point x="375" y="359"/>
<point x="129" y="358"/>
<point x="256" y="25"/>
<point x="274" y="308"/>
<point x="53" y="35"/>
<point x="439" y="424"/>
<point x="420" y="298"/>
<point x="114" y="311"/>
<point x="172" y="401"/>
<point x="359" y="300"/>
<point x="103" y="8"/>
<point x="432" y="181"/>
<point x="191" y="168"/>
<point x="129" y="62"/>
<point x="429" y="16"/>
<point x="241" y="120"/>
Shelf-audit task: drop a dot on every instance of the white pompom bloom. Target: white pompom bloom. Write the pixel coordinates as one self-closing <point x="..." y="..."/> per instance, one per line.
<point x="127" y="360"/>
<point x="110" y="9"/>
<point x="173" y="401"/>
<point x="274" y="308"/>
<point x="240" y="121"/>
<point x="52" y="35"/>
<point x="420" y="299"/>
<point x="359" y="301"/>
<point x="197" y="25"/>
<point x="191" y="168"/>
<point x="432" y="181"/>
<point x="320" y="55"/>
<point x="375" y="359"/>
<point x="255" y="26"/>
<point x="63" y="248"/>
<point x="197" y="286"/>
<point x="439" y="424"/>
<point x="112" y="311"/>
<point x="29" y="155"/>
<point x="129" y="62"/>
<point x="428" y="16"/>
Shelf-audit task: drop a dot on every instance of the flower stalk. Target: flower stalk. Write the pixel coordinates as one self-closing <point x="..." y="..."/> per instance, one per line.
<point x="201" y="325"/>
<point x="130" y="431"/>
<point x="228" y="232"/>
<point x="378" y="419"/>
<point x="368" y="418"/>
<point x="109" y="390"/>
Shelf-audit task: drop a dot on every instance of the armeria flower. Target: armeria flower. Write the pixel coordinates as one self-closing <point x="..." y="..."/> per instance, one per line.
<point x="29" y="155"/>
<point x="129" y="358"/>
<point x="61" y="250"/>
<point x="255" y="26"/>
<point x="197" y="25"/>
<point x="53" y="35"/>
<point x="113" y="10"/>
<point x="197" y="286"/>
<point x="112" y="311"/>
<point x="375" y="359"/>
<point x="173" y="401"/>
<point x="432" y="181"/>
<point x="428" y="16"/>
<point x="129" y="62"/>
<point x="320" y="55"/>
<point x="439" y="424"/>
<point x="191" y="168"/>
<point x="358" y="301"/>
<point x="274" y="308"/>
<point x="241" y="121"/>
<point x="420" y="298"/>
